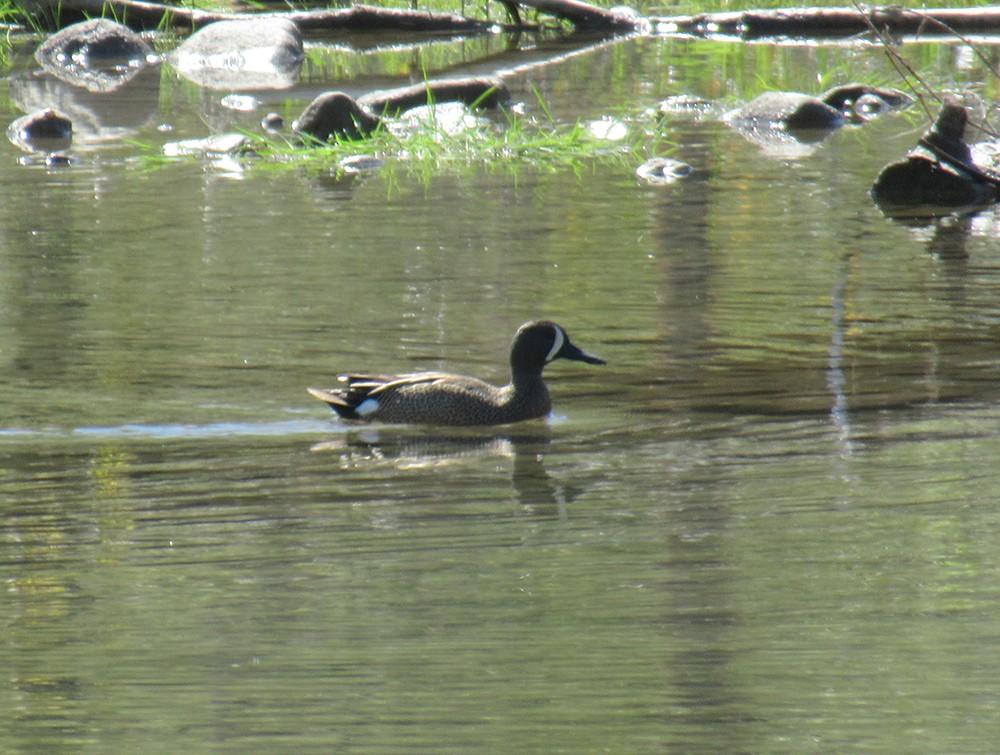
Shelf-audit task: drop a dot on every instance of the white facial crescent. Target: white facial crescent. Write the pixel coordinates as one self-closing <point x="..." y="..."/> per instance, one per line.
<point x="557" y="344"/>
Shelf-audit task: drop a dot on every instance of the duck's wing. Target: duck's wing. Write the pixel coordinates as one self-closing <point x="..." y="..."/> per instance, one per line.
<point x="349" y="401"/>
<point x="385" y="385"/>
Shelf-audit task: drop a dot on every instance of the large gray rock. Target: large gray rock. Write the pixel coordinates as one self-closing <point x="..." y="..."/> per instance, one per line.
<point x="264" y="53"/>
<point x="99" y="55"/>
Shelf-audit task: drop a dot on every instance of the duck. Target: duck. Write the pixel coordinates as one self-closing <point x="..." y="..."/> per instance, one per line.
<point x="443" y="398"/>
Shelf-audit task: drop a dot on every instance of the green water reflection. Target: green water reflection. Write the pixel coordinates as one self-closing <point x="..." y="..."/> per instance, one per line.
<point x="743" y="587"/>
<point x="767" y="525"/>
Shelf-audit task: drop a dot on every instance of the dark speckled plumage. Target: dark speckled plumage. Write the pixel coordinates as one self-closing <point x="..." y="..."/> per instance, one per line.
<point x="441" y="398"/>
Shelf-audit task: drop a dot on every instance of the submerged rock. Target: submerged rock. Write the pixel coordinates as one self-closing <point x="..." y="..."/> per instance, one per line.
<point x="440" y="119"/>
<point x="790" y="110"/>
<point x="357" y="164"/>
<point x="794" y="111"/>
<point x="264" y="53"/>
<point x="335" y="115"/>
<point x="273" y="123"/>
<point x="663" y="170"/>
<point x="939" y="171"/>
<point x="859" y="103"/>
<point x="47" y="131"/>
<point x="217" y="144"/>
<point x="833" y="108"/>
<point x="688" y="106"/>
<point x="99" y="55"/>
<point x="788" y="124"/>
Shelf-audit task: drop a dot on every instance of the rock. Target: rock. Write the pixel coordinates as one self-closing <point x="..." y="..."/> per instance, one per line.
<point x="790" y="110"/>
<point x="439" y="119"/>
<point x="47" y="131"/>
<point x="859" y="103"/>
<point x="272" y="123"/>
<point x="795" y="111"/>
<point x="688" y="106"/>
<point x="939" y="172"/>
<point x="356" y="164"/>
<point x="99" y="55"/>
<point x="98" y="117"/>
<point x="843" y="96"/>
<point x="217" y="144"/>
<point x="242" y="103"/>
<point x="335" y="115"/>
<point x="662" y="170"/>
<point x="918" y="180"/>
<point x="264" y="53"/>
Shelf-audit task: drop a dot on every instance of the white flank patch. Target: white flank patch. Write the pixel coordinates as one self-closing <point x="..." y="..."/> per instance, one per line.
<point x="558" y="344"/>
<point x="366" y="407"/>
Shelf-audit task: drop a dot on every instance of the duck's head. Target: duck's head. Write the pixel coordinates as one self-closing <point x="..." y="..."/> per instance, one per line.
<point x="538" y="343"/>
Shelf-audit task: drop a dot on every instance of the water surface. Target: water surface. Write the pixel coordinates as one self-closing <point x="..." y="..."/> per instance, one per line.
<point x="767" y="525"/>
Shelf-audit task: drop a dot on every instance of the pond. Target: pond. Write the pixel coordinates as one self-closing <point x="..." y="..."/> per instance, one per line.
<point x="768" y="524"/>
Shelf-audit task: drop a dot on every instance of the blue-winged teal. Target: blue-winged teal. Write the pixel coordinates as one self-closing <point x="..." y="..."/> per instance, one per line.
<point x="440" y="398"/>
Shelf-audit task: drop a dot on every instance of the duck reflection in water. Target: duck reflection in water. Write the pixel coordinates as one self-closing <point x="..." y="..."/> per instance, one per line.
<point x="535" y="489"/>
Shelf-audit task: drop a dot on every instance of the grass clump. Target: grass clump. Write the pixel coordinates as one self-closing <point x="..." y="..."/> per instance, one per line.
<point x="447" y="138"/>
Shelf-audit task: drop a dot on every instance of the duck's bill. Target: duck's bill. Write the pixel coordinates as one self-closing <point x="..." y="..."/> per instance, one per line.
<point x="569" y="351"/>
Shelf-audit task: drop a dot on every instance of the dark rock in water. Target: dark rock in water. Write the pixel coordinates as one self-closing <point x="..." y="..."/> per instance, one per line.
<point x="335" y="115"/>
<point x="99" y="55"/>
<point x="45" y="131"/>
<point x="58" y="160"/>
<point x="918" y="180"/>
<point x="272" y="122"/>
<point x="481" y="92"/>
<point x="262" y="53"/>
<point x="939" y="172"/>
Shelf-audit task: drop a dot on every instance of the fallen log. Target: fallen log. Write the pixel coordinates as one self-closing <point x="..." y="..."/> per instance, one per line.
<point x="586" y="17"/>
<point x="834" y="22"/>
<point x="144" y="15"/>
<point x="819" y="23"/>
